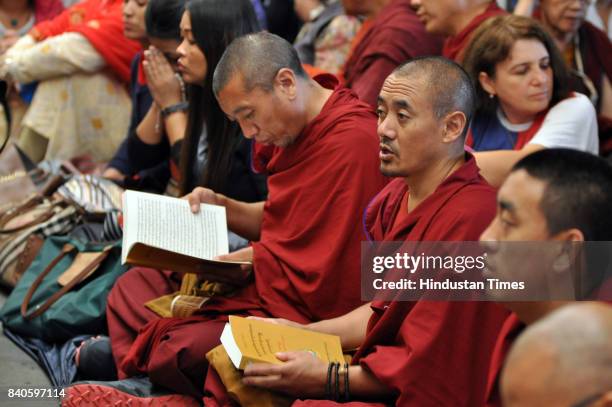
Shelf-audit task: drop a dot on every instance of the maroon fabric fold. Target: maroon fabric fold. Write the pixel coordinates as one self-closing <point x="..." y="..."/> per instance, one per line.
<point x="455" y="46"/>
<point x="395" y="36"/>
<point x="512" y="328"/>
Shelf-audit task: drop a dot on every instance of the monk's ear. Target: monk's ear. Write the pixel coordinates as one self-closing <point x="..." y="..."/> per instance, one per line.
<point x="570" y="235"/>
<point x="454" y="123"/>
<point x="285" y="82"/>
<point x="487" y="83"/>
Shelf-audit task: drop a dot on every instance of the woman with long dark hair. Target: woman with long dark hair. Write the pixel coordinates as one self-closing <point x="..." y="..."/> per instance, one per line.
<point x="213" y="154"/>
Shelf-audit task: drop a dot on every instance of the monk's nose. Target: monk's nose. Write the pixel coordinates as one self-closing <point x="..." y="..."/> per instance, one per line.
<point x="385" y="129"/>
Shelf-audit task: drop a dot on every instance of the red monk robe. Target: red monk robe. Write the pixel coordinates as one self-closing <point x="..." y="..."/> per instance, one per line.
<point x="455" y="46"/>
<point x="596" y="51"/>
<point x="431" y="353"/>
<point x="101" y="22"/>
<point x="393" y="37"/>
<point x="512" y="328"/>
<point x="306" y="262"/>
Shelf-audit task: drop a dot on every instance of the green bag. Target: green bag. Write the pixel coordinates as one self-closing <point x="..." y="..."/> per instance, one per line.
<point x="63" y="293"/>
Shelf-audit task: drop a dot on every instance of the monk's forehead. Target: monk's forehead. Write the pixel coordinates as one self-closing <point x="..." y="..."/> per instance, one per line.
<point x="411" y="88"/>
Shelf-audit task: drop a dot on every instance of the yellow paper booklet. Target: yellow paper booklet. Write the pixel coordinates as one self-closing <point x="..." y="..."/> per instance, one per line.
<point x="254" y="341"/>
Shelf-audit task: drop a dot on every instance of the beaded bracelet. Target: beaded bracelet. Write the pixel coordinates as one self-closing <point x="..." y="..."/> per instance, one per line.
<point x="330" y="367"/>
<point x="347" y="394"/>
<point x="337" y="392"/>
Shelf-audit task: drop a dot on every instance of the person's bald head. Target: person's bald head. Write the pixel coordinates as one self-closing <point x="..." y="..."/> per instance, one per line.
<point x="257" y="59"/>
<point x="259" y="82"/>
<point x="563" y="360"/>
<point x="448" y="86"/>
<point x="424" y="109"/>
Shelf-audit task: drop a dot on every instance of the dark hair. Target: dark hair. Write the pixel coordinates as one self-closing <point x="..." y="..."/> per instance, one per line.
<point x="491" y="44"/>
<point x="578" y="192"/>
<point x="258" y="58"/>
<point x="454" y="93"/>
<point x="214" y="25"/>
<point x="163" y="18"/>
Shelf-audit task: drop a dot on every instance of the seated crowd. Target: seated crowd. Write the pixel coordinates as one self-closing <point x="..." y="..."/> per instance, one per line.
<point x="381" y="121"/>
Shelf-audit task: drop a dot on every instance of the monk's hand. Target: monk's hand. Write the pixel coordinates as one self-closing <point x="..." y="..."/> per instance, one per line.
<point x="302" y="375"/>
<point x="281" y="321"/>
<point x="244" y="254"/>
<point x="162" y="81"/>
<point x="202" y="195"/>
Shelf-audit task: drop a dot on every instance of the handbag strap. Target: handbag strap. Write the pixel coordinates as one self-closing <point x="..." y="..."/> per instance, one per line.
<point x="24" y="208"/>
<point x="40" y="309"/>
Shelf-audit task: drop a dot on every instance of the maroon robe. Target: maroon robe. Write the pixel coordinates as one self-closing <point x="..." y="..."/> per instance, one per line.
<point x="395" y="36"/>
<point x="512" y="328"/>
<point x="428" y="353"/>
<point x="455" y="46"/>
<point x="432" y="353"/>
<point x="306" y="264"/>
<point x="596" y="51"/>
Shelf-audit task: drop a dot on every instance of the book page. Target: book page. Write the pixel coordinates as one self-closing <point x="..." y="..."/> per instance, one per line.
<point x="167" y="223"/>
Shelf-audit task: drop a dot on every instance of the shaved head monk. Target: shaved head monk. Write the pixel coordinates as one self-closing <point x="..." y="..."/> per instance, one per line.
<point x="318" y="145"/>
<point x="563" y="360"/>
<point x="390" y="35"/>
<point x="410" y="353"/>
<point x="557" y="195"/>
<point x="455" y="19"/>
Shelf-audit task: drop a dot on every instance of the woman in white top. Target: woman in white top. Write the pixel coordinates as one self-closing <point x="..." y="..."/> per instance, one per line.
<point x="523" y="103"/>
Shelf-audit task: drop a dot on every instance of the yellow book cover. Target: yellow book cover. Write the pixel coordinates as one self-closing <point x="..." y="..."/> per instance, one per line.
<point x="254" y="341"/>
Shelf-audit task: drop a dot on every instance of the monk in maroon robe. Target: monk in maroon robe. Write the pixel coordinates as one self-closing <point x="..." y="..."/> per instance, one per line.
<point x="523" y="204"/>
<point x="391" y="35"/>
<point x="562" y="360"/>
<point x="414" y="353"/>
<point x="320" y="153"/>
<point x="586" y="50"/>
<point x="456" y="20"/>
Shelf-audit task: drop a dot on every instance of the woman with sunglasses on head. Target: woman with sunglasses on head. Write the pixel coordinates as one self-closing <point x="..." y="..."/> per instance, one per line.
<point x="523" y="103"/>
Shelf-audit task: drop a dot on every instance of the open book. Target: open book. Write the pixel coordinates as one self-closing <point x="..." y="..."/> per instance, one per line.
<point x="161" y="232"/>
<point x="254" y="341"/>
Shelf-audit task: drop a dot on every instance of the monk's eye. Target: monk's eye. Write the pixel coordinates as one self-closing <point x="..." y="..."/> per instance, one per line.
<point x="506" y="222"/>
<point x="381" y="114"/>
<point x="402" y="117"/>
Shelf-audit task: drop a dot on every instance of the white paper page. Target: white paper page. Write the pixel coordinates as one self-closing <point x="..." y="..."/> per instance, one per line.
<point x="230" y="345"/>
<point x="168" y="223"/>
